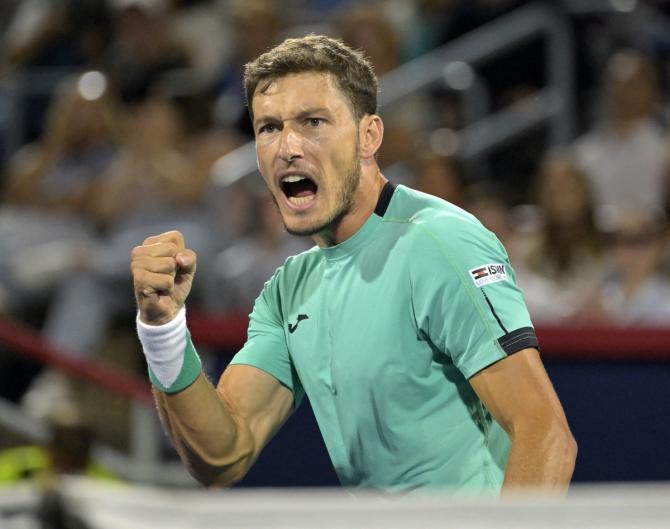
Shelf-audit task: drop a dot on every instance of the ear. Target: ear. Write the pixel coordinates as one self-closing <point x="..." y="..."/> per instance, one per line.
<point x="371" y="133"/>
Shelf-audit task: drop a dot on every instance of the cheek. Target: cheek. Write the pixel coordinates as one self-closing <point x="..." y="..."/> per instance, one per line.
<point x="320" y="148"/>
<point x="340" y="154"/>
<point x="264" y="159"/>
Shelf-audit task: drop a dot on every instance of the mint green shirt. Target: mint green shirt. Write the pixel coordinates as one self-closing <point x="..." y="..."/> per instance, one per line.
<point x="383" y="332"/>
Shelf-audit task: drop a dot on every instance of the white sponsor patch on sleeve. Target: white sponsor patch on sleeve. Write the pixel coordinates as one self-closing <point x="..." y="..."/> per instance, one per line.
<point x="489" y="273"/>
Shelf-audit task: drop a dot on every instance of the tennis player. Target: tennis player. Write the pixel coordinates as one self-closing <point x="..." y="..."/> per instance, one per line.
<point x="403" y="325"/>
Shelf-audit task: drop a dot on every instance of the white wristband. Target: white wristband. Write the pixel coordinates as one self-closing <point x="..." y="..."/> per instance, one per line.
<point x="164" y="347"/>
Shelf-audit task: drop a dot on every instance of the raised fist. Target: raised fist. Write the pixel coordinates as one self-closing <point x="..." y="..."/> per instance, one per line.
<point x="163" y="271"/>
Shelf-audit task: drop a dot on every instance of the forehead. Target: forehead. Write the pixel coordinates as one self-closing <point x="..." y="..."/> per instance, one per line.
<point x="295" y="92"/>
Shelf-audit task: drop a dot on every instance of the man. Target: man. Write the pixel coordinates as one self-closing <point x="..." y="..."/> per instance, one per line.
<point x="403" y="325"/>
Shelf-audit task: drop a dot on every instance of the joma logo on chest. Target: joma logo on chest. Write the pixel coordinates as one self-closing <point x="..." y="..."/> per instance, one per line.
<point x="293" y="326"/>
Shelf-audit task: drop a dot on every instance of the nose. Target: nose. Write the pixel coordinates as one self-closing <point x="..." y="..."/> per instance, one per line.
<point x="290" y="147"/>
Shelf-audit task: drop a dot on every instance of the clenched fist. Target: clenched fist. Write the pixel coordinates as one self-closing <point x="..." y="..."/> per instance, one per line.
<point x="163" y="272"/>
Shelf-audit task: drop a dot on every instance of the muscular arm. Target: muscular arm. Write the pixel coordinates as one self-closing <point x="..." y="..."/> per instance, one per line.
<point x="520" y="396"/>
<point x="219" y="433"/>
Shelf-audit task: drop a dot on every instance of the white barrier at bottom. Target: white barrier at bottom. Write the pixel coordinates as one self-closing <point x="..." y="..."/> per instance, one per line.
<point x="104" y="506"/>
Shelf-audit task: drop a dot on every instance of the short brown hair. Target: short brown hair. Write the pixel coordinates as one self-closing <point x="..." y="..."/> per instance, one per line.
<point x="317" y="53"/>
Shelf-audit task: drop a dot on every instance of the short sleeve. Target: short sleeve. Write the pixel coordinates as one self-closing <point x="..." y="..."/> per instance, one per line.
<point x="266" y="346"/>
<point x="464" y="294"/>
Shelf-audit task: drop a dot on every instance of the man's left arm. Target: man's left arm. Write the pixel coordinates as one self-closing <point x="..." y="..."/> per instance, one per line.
<point x="518" y="393"/>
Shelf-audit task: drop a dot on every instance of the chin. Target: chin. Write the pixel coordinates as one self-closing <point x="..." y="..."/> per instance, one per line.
<point x="315" y="228"/>
<point x="305" y="226"/>
<point x="304" y="230"/>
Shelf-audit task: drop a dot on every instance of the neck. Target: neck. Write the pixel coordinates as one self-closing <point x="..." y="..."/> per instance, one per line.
<point x="369" y="188"/>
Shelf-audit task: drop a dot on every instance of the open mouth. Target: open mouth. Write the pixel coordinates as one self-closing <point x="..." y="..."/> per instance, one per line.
<point x="299" y="190"/>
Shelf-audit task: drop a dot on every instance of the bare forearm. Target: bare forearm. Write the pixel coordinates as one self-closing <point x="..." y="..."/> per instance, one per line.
<point x="217" y="432"/>
<point x="214" y="447"/>
<point x="541" y="460"/>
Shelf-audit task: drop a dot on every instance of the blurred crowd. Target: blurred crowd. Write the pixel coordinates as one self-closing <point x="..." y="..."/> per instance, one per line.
<point x="126" y="105"/>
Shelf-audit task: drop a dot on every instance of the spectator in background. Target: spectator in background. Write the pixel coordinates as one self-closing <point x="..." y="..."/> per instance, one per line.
<point x="67" y="451"/>
<point x="143" y="47"/>
<point x="244" y="267"/>
<point x="488" y="201"/>
<point x="74" y="33"/>
<point x="258" y="25"/>
<point x="624" y="156"/>
<point x="563" y="260"/>
<point x="633" y="292"/>
<point x="79" y="143"/>
<point x="44" y="227"/>
<point x="440" y="176"/>
<point x="201" y="26"/>
<point x="156" y="160"/>
<point x="366" y="28"/>
<point x="69" y="35"/>
<point x="46" y="233"/>
<point x="152" y="164"/>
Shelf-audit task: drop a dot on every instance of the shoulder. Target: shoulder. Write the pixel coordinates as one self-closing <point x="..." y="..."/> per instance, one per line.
<point x="438" y="224"/>
<point x="421" y="208"/>
<point x="294" y="264"/>
<point x="294" y="268"/>
<point x="447" y="244"/>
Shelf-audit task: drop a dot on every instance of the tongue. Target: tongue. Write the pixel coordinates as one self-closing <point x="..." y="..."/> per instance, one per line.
<point x="303" y="188"/>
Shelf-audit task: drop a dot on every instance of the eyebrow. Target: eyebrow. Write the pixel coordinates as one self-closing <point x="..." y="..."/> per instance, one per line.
<point x="311" y="111"/>
<point x="301" y="115"/>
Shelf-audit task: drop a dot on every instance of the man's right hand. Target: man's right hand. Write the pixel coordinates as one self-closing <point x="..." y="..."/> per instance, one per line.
<point x="163" y="271"/>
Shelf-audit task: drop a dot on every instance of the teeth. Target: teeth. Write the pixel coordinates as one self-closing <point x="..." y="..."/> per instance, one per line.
<point x="293" y="178"/>
<point x="299" y="201"/>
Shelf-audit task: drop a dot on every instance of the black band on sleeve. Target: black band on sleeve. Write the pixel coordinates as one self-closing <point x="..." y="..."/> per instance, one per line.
<point x="515" y="341"/>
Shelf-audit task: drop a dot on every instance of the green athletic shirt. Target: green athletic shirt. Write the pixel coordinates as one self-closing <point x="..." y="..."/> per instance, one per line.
<point x="383" y="332"/>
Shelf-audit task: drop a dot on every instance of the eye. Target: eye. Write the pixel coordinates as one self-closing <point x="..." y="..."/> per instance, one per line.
<point x="268" y="127"/>
<point x="314" y="122"/>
